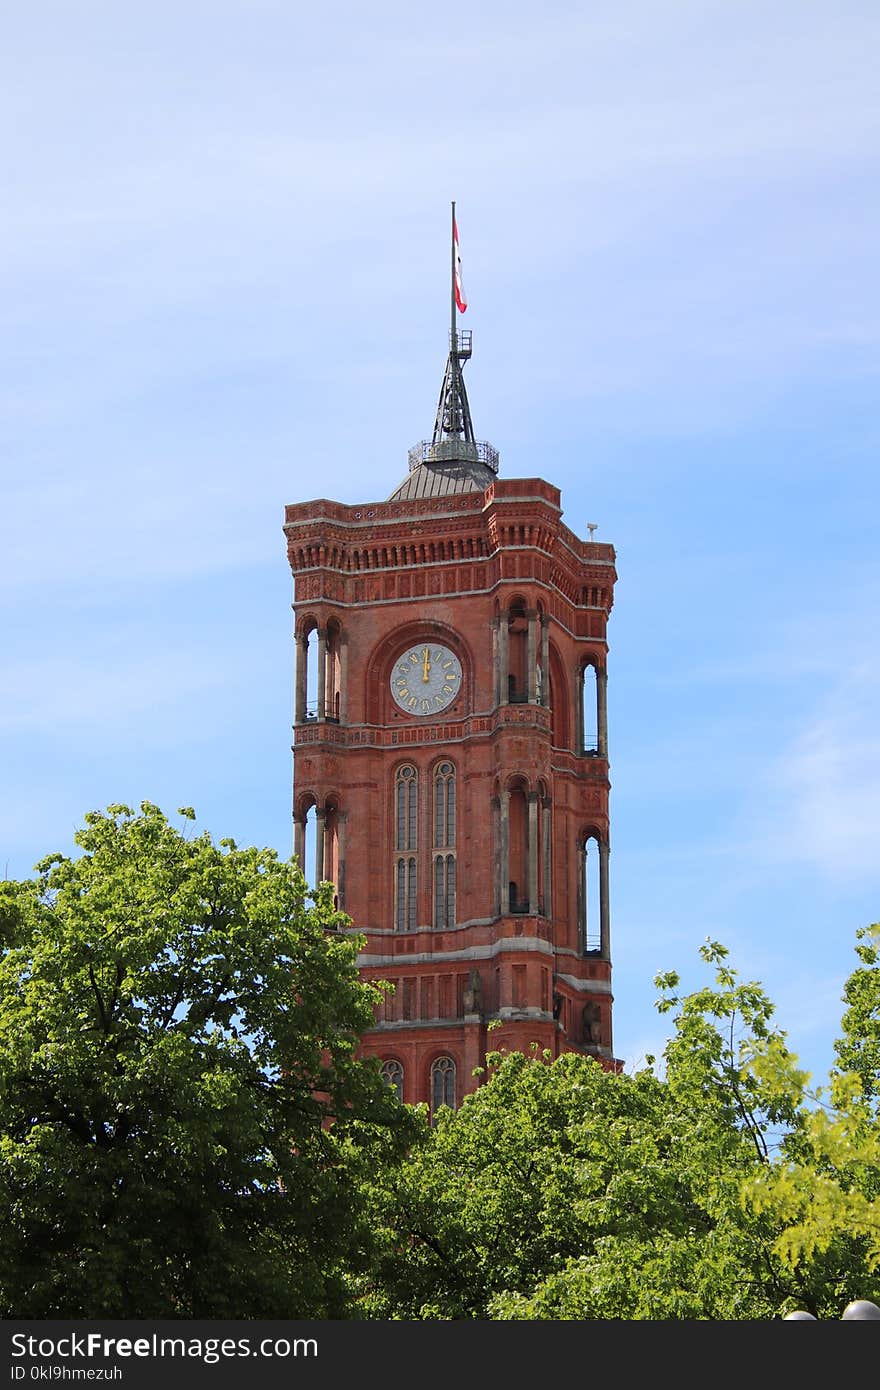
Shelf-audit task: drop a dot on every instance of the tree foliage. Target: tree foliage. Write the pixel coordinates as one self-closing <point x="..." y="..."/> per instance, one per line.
<point x="186" y="1129"/>
<point x="551" y="1186"/>
<point x="858" y="1051"/>
<point x="824" y="1185"/>
<point x="184" y="1124"/>
<point x="561" y="1190"/>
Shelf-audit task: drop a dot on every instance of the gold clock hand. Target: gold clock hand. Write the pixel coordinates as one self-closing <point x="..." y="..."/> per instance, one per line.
<point x="426" y="666"/>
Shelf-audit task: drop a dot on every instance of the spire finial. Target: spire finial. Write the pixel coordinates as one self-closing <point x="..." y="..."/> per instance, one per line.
<point x="453" y="438"/>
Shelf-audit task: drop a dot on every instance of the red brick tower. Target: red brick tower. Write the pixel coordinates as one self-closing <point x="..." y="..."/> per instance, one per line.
<point x="451" y="762"/>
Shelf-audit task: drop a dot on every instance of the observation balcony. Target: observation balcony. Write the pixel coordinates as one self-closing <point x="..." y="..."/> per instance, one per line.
<point x="452" y="450"/>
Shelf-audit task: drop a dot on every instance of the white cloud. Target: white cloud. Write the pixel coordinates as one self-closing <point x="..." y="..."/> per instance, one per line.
<point x="823" y="791"/>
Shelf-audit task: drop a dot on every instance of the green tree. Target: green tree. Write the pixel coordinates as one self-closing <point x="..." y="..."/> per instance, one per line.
<point x="823" y="1186"/>
<point x="858" y="1051"/>
<point x="185" y="1128"/>
<point x="564" y="1191"/>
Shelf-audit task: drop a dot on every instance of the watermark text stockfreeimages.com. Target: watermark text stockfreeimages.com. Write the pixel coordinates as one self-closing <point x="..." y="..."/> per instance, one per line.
<point x="209" y="1350"/>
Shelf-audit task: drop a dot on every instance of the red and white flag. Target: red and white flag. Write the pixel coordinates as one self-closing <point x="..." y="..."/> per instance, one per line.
<point x="460" y="296"/>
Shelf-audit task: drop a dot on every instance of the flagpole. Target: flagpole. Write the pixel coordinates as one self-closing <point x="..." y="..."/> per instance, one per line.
<point x="452" y="339"/>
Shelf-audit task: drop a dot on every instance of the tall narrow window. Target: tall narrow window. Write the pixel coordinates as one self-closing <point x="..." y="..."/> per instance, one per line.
<point x="333" y="673"/>
<point x="518" y="850"/>
<point x="411" y="896"/>
<point x="517" y="653"/>
<point x="589" y="712"/>
<point x="406" y="793"/>
<point x="439" y="892"/>
<point x="444" y="845"/>
<point x="407" y="802"/>
<point x="401" y="895"/>
<point x="310" y="693"/>
<point x="450" y="890"/>
<point x="590" y="901"/>
<point x="444" y="805"/>
<point x="442" y="1084"/>
<point x="310" y="863"/>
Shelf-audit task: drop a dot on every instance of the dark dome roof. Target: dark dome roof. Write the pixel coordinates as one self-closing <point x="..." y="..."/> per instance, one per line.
<point x="444" y="479"/>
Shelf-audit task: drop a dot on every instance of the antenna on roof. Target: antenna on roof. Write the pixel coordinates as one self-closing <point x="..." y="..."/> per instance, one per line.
<point x="591" y="527"/>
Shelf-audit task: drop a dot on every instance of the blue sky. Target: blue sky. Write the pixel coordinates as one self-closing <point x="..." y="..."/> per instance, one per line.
<point x="224" y="265"/>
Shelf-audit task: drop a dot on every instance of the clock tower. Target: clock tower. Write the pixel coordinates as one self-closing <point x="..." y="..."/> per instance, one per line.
<point x="451" y="753"/>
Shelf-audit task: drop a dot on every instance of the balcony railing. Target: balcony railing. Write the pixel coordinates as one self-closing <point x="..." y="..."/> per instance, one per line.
<point x="452" y="450"/>
<point x="330" y="715"/>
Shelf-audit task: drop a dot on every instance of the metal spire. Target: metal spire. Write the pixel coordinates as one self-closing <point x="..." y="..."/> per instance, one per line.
<point x="453" y="419"/>
<point x="453" y="438"/>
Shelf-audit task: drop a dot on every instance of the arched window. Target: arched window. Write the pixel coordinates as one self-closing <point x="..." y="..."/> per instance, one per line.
<point x="525" y="835"/>
<point x="317" y="842"/>
<point x="444" y="805"/>
<point x="392" y="1075"/>
<point x="407" y="808"/>
<point x="589" y="710"/>
<point x="593" y="924"/>
<point x="518" y="851"/>
<point x="405" y="907"/>
<point x="442" y="1084"/>
<point x="310" y="663"/>
<point x="444" y="890"/>
<point x="406" y="793"/>
<point x="444" y="841"/>
<point x="312" y="846"/>
<point x="591" y="936"/>
<point x="332" y="673"/>
<point x="517" y="653"/>
<point x="319" y="673"/>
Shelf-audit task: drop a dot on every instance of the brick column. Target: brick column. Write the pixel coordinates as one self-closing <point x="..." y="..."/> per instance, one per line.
<point x="545" y="659"/>
<point x="302" y="660"/>
<point x="322" y="672"/>
<point x="503" y="658"/>
<point x="343" y="680"/>
<point x="533" y="852"/>
<point x="579" y="712"/>
<point x="547" y="842"/>
<point x="602" y="710"/>
<point x="319" y="845"/>
<point x="504" y="837"/>
<point x="581" y="898"/>
<point x="604" y="903"/>
<point x="341" y="818"/>
<point x="532" y="657"/>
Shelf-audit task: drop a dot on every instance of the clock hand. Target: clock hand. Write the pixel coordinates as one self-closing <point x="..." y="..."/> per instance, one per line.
<point x="426" y="665"/>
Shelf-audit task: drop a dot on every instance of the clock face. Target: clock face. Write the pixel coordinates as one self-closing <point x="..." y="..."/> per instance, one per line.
<point x="426" y="678"/>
